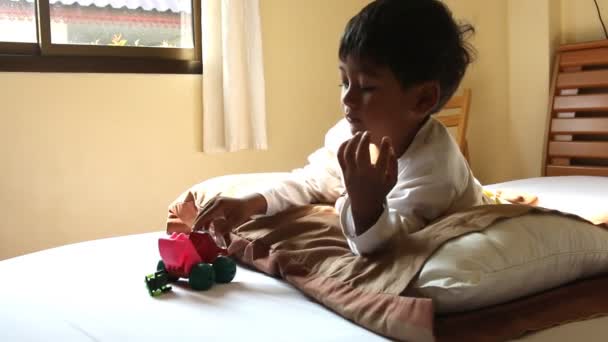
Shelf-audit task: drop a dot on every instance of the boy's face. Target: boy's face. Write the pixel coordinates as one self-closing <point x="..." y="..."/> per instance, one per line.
<point x="375" y="101"/>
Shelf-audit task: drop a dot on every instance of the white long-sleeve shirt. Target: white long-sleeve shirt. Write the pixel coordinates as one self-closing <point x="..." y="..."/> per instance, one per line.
<point x="433" y="179"/>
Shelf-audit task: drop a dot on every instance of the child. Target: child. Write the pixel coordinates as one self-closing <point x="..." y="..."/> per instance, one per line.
<point x="400" y="62"/>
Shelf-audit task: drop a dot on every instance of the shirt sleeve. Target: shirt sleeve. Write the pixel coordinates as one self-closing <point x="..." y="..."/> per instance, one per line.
<point x="317" y="182"/>
<point x="320" y="181"/>
<point x="408" y="208"/>
<point x="374" y="238"/>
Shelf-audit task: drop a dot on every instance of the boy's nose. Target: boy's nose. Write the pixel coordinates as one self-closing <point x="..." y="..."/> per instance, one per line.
<point x="349" y="99"/>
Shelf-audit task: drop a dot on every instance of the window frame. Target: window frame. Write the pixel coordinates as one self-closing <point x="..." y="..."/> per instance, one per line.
<point x="44" y="56"/>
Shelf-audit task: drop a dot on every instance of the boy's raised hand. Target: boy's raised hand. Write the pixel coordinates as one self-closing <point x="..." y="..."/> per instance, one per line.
<point x="367" y="183"/>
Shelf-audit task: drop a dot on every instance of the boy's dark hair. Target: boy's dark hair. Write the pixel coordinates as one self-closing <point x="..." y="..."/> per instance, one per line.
<point x="417" y="39"/>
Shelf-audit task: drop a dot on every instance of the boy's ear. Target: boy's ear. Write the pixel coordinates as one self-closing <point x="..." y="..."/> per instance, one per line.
<point x="428" y="97"/>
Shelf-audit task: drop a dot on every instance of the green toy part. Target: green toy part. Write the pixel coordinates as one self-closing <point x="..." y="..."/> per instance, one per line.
<point x="161" y="267"/>
<point x="225" y="269"/>
<point x="157" y="283"/>
<point x="201" y="277"/>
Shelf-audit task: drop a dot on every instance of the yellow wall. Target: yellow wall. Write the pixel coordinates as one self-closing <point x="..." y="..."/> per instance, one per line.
<point x="507" y="130"/>
<point x="86" y="156"/>
<point x="488" y="79"/>
<point x="529" y="76"/>
<point x="580" y="22"/>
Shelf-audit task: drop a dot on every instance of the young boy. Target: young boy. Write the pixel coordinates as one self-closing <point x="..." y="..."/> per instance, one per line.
<point x="400" y="62"/>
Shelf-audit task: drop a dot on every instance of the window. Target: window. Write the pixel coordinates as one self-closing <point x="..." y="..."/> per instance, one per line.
<point x="150" y="36"/>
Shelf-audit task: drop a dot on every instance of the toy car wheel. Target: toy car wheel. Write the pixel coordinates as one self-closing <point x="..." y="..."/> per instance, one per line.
<point x="161" y="267"/>
<point x="157" y="283"/>
<point x="202" y="277"/>
<point x="225" y="269"/>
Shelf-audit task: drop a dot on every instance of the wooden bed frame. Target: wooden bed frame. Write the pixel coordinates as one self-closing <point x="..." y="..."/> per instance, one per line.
<point x="577" y="139"/>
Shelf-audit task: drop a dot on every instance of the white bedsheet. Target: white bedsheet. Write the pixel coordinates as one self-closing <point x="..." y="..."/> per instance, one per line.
<point x="95" y="291"/>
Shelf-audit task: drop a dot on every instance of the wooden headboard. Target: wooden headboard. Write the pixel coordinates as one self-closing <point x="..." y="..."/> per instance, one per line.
<point x="577" y="139"/>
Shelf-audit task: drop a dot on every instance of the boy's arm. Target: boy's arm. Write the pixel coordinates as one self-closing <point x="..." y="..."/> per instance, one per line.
<point x="376" y="236"/>
<point x="368" y="182"/>
<point x="409" y="208"/>
<point x="317" y="182"/>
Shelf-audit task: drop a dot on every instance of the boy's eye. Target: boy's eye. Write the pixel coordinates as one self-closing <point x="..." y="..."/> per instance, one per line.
<point x="343" y="85"/>
<point x="367" y="88"/>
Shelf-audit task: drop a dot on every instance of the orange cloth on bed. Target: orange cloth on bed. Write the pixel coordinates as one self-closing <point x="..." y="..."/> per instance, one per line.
<point x="501" y="196"/>
<point x="510" y="197"/>
<point x="599" y="218"/>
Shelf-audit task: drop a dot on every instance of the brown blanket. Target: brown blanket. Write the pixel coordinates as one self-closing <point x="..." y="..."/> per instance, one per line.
<point x="305" y="247"/>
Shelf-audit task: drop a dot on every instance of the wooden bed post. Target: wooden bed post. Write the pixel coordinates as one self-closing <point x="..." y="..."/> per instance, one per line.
<point x="577" y="122"/>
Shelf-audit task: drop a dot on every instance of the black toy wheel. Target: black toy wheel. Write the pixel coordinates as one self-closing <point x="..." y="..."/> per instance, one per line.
<point x="225" y="269"/>
<point x="161" y="267"/>
<point x="202" y="277"/>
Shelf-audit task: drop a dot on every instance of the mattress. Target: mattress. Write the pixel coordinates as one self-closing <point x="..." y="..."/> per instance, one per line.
<point x="95" y="291"/>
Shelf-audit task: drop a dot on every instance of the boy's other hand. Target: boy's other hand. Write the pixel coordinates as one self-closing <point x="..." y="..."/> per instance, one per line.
<point x="227" y="213"/>
<point x="367" y="183"/>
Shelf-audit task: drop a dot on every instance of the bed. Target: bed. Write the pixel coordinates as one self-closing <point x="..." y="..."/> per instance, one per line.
<point x="95" y="291"/>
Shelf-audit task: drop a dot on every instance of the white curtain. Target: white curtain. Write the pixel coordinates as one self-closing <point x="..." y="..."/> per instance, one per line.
<point x="234" y="106"/>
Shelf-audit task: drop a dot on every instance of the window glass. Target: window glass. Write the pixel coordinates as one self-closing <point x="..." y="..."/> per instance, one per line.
<point x="141" y="23"/>
<point x="18" y="21"/>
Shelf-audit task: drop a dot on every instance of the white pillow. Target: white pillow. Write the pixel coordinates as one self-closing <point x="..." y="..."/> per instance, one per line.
<point x="511" y="259"/>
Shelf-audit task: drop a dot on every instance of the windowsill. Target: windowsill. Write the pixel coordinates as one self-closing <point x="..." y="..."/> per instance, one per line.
<point x="71" y="64"/>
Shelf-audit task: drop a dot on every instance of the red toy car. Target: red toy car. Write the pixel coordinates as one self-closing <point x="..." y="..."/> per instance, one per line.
<point x="200" y="256"/>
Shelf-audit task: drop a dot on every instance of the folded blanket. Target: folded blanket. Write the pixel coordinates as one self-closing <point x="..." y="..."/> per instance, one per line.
<point x="305" y="246"/>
